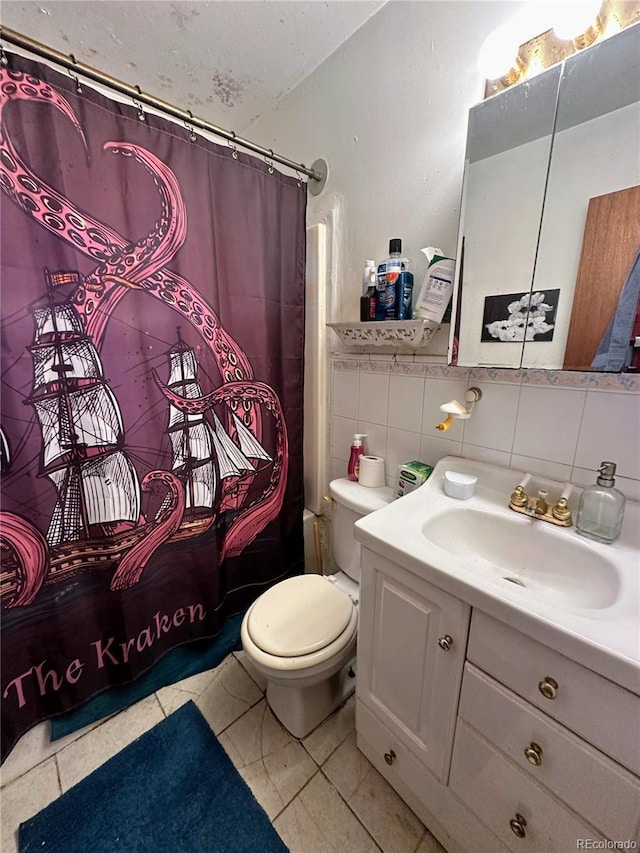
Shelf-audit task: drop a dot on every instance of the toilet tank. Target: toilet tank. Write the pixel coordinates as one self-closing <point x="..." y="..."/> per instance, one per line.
<point x="353" y="501"/>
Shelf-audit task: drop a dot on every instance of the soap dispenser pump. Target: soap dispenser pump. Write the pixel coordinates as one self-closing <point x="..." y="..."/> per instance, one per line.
<point x="601" y="508"/>
<point x="353" y="466"/>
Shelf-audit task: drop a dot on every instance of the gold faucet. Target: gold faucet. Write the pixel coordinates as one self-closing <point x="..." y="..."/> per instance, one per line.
<point x="538" y="507"/>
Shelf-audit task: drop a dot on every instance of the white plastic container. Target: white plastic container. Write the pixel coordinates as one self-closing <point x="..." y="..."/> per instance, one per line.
<point x="459" y="486"/>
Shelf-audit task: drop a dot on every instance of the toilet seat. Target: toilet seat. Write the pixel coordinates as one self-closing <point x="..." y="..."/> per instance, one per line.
<point x="299" y="623"/>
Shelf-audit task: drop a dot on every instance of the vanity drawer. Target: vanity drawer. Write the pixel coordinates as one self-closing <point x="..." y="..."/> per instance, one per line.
<point x="598" y="710"/>
<point x="420" y="789"/>
<point x="585" y="779"/>
<point x="521" y="813"/>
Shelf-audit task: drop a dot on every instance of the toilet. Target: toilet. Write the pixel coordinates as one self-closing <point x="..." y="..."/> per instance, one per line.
<point x="300" y="634"/>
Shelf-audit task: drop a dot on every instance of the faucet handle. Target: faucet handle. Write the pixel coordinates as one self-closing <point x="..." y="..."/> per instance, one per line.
<point x="561" y="511"/>
<point x="518" y="497"/>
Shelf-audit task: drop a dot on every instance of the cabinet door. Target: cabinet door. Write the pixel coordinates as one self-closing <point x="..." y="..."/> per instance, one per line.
<point x="411" y="648"/>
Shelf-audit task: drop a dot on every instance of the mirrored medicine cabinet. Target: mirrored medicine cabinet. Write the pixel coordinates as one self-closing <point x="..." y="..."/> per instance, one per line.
<point x="550" y="215"/>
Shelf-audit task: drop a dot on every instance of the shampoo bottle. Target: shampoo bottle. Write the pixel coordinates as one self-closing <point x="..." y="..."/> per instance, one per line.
<point x="353" y="468"/>
<point x="388" y="282"/>
<point x="601" y="507"/>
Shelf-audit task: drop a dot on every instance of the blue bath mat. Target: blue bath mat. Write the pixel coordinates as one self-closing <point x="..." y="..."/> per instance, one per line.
<point x="174" y="790"/>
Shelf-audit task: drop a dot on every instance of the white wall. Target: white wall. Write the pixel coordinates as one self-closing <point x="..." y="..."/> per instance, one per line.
<point x="388" y="111"/>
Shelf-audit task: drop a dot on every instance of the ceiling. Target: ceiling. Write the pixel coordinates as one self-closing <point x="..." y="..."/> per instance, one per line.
<point x="228" y="62"/>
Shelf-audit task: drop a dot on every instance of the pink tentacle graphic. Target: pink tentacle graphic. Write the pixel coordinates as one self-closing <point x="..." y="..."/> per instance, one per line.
<point x="123" y="264"/>
<point x="133" y="563"/>
<point x="258" y="514"/>
<point x="35" y="197"/>
<point x="150" y="253"/>
<point x="31" y="551"/>
<point x="99" y="297"/>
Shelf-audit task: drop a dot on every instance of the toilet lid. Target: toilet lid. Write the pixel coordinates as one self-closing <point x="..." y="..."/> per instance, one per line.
<point x="299" y="616"/>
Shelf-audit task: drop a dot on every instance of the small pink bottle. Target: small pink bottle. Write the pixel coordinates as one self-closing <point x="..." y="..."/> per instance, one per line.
<point x="353" y="468"/>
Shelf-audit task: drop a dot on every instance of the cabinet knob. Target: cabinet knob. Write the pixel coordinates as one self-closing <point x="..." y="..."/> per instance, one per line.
<point x="517" y="825"/>
<point x="533" y="754"/>
<point x="390" y="756"/>
<point x="445" y="642"/>
<point x="548" y="687"/>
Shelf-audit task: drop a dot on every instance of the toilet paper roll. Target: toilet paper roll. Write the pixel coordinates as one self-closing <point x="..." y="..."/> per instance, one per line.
<point x="371" y="472"/>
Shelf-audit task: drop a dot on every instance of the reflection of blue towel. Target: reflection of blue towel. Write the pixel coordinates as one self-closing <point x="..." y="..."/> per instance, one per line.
<point x="615" y="351"/>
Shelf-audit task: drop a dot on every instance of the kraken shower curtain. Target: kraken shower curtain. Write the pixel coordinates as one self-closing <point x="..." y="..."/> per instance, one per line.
<point x="151" y="411"/>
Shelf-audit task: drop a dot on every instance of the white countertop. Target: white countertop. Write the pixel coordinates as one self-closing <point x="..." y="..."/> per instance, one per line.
<point x="605" y="639"/>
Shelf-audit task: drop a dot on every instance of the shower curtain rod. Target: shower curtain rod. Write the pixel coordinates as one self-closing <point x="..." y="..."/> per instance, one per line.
<point x="71" y="64"/>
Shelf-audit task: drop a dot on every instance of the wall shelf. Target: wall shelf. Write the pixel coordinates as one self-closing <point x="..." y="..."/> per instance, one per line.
<point x="398" y="334"/>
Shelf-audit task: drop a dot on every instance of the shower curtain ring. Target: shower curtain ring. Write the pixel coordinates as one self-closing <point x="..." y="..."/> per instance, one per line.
<point x="75" y="79"/>
<point x="4" y="59"/>
<point x="299" y="177"/>
<point x="192" y="133"/>
<point x="73" y="76"/>
<point x="269" y="162"/>
<point x="138" y="105"/>
<point x="234" y="150"/>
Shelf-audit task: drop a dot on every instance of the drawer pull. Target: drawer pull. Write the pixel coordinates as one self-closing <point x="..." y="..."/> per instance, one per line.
<point x="548" y="688"/>
<point x="533" y="754"/>
<point x="446" y="642"/>
<point x="517" y="825"/>
<point x="389" y="757"/>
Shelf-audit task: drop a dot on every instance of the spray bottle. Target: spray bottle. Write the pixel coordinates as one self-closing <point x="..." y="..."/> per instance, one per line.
<point x="368" y="298"/>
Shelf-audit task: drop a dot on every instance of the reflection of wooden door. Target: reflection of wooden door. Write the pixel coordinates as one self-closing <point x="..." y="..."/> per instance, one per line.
<point x="609" y="246"/>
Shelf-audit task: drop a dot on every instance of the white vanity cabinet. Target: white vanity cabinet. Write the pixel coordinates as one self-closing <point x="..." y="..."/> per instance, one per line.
<point x="411" y="651"/>
<point x="498" y="742"/>
<point x="544" y="747"/>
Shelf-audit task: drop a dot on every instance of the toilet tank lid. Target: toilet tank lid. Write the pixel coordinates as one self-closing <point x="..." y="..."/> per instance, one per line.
<point x="359" y="498"/>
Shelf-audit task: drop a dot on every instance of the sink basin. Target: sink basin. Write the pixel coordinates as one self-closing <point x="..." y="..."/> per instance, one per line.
<point x="529" y="553"/>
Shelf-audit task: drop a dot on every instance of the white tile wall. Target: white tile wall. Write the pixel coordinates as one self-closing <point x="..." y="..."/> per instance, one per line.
<point x="557" y="424"/>
<point x="406" y="394"/>
<point x="373" y="399"/>
<point x="548" y="423"/>
<point x="345" y="395"/>
<point x="616" y="416"/>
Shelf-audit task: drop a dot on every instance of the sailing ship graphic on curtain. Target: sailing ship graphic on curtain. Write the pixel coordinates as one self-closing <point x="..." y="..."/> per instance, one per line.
<point x="82" y="433"/>
<point x="203" y="452"/>
<point x="97" y="517"/>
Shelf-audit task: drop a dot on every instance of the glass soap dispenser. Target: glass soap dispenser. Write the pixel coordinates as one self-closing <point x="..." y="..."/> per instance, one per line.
<point x="601" y="507"/>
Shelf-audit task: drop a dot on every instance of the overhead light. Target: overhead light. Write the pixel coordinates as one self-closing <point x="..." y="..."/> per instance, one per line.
<point x="577" y="21"/>
<point x="499" y="55"/>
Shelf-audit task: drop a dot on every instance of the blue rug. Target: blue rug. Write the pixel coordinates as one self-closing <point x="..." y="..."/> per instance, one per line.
<point x="174" y="790"/>
<point x="175" y="666"/>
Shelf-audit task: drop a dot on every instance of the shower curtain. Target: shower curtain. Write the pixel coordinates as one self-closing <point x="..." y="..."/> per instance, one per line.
<point x="151" y="411"/>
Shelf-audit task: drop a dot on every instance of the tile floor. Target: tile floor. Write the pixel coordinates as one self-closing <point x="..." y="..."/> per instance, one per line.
<point x="321" y="793"/>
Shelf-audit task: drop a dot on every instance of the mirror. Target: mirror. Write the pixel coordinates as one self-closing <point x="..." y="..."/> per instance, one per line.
<point x="506" y="164"/>
<point x="550" y="222"/>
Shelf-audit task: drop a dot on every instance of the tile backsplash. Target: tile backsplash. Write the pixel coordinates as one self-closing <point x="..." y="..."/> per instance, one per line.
<point x="558" y="424"/>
